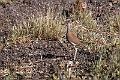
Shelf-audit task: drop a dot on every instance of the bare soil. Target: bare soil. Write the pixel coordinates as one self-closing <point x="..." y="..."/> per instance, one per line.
<point x="41" y="59"/>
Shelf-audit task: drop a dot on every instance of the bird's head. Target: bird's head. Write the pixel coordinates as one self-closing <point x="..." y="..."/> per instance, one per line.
<point x="68" y="22"/>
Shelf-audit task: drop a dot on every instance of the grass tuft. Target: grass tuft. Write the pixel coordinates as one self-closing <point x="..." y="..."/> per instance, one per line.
<point x="43" y="27"/>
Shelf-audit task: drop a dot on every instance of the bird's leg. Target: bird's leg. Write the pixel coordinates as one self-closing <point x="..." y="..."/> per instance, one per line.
<point x="75" y="52"/>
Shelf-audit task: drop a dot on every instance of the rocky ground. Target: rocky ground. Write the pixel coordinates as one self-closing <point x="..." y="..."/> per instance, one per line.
<point x="45" y="59"/>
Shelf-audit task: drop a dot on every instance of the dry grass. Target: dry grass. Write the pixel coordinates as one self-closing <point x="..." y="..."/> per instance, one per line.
<point x="106" y="42"/>
<point x="96" y="39"/>
<point x="41" y="28"/>
<point x="4" y="2"/>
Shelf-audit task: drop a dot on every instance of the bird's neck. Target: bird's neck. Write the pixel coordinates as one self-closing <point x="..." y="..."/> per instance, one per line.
<point x="68" y="28"/>
<point x="68" y="31"/>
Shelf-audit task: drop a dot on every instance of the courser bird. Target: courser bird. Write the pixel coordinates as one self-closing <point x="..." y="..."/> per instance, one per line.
<point x="72" y="38"/>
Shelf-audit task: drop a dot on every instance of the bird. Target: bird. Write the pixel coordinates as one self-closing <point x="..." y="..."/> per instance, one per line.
<point x="72" y="38"/>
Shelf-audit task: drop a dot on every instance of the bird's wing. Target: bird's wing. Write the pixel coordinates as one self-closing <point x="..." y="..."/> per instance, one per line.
<point x="74" y="39"/>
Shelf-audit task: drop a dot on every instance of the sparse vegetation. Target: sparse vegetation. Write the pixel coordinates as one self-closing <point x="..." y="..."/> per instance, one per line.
<point x="97" y="40"/>
<point x="5" y="2"/>
<point x="42" y="28"/>
<point x="48" y="28"/>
